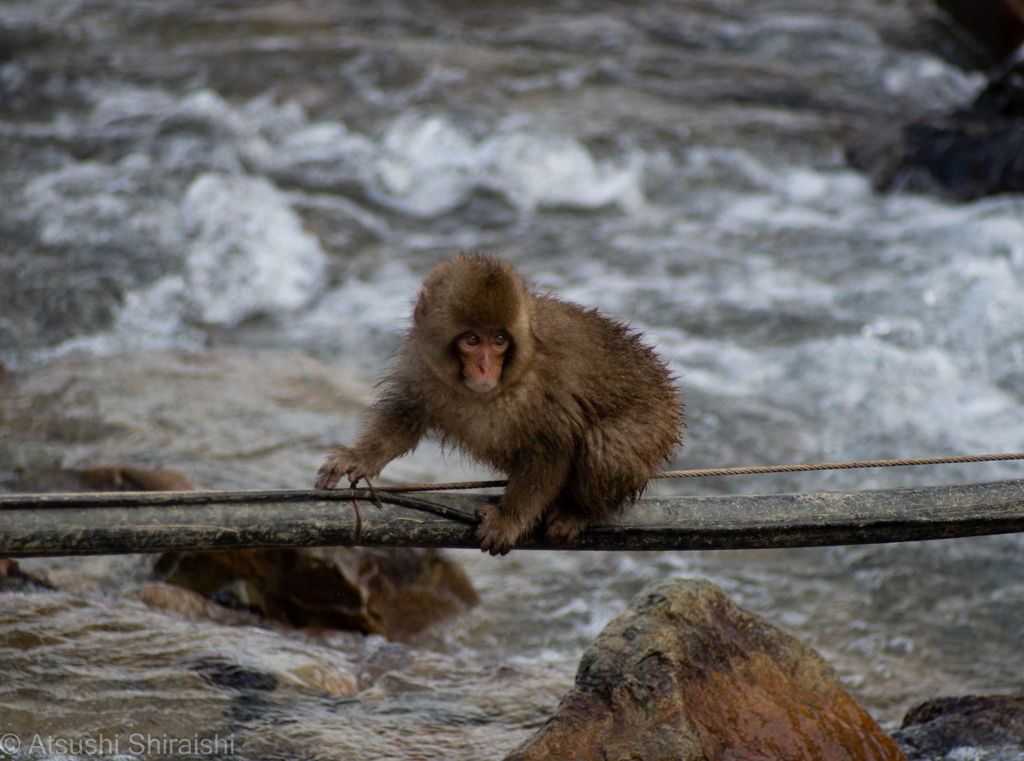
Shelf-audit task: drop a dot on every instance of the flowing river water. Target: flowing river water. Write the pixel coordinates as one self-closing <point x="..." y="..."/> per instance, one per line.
<point x="213" y="221"/>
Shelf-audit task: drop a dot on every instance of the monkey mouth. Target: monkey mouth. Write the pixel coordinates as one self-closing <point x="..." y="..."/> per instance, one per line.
<point x="480" y="385"/>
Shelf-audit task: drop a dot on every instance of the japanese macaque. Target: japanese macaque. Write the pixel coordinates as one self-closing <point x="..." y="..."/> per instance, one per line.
<point x="569" y="404"/>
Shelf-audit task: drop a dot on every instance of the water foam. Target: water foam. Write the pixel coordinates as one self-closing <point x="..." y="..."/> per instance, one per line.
<point x="247" y="252"/>
<point x="244" y="252"/>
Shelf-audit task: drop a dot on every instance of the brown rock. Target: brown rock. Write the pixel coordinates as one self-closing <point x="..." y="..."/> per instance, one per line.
<point x="393" y="592"/>
<point x="129" y="478"/>
<point x="685" y="674"/>
<point x="13" y="579"/>
<point x="107" y="478"/>
<point x="168" y="598"/>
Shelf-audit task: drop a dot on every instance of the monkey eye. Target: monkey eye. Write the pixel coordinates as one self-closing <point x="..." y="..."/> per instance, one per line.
<point x="500" y="339"/>
<point x="471" y="339"/>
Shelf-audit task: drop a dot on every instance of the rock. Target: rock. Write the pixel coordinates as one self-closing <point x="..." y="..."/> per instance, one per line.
<point x="296" y="669"/>
<point x="128" y="478"/>
<point x="974" y="726"/>
<point x="242" y="595"/>
<point x="7" y="380"/>
<point x="973" y="152"/>
<point x="685" y="674"/>
<point x="998" y="25"/>
<point x="395" y="592"/>
<point x="13" y="579"/>
<point x="168" y="598"/>
<point x="107" y="478"/>
<point x="43" y="480"/>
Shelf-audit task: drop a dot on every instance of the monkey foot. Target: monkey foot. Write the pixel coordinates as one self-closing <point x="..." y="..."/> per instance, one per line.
<point x="563" y="529"/>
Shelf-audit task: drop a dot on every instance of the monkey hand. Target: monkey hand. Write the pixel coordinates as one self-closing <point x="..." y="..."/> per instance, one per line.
<point x="496" y="536"/>
<point x="343" y="461"/>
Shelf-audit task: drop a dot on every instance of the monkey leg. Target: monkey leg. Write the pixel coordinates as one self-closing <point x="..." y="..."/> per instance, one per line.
<point x="614" y="466"/>
<point x="533" y="484"/>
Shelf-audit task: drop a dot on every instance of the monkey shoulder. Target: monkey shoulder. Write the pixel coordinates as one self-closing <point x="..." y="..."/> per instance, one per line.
<point x="413" y="389"/>
<point x="599" y="353"/>
<point x="589" y="327"/>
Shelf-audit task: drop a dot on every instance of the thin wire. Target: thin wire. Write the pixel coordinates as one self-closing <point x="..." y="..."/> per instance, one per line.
<point x="741" y="471"/>
<point x="838" y="465"/>
<point x="357" y="534"/>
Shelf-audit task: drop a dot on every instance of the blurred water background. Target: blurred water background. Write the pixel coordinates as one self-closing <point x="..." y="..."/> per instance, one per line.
<point x="264" y="185"/>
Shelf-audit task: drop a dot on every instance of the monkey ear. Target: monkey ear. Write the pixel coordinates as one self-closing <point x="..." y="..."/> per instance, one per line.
<point x="420" y="311"/>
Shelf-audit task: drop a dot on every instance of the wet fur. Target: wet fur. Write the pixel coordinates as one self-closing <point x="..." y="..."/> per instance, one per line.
<point x="584" y="413"/>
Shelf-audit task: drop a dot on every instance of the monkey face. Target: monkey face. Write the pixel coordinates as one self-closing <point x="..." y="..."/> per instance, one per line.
<point x="482" y="354"/>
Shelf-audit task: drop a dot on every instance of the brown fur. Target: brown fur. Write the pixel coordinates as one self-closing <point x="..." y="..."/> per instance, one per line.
<point x="583" y="414"/>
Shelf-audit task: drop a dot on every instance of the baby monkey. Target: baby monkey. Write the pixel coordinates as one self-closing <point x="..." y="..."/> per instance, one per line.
<point x="569" y="404"/>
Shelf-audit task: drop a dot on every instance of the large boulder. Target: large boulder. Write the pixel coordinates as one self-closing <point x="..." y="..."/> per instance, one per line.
<point x="686" y="674"/>
<point x="396" y="592"/>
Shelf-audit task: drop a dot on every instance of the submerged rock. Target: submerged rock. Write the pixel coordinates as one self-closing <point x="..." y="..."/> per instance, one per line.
<point x="685" y="674"/>
<point x="971" y="727"/>
<point x="130" y="478"/>
<point x="188" y="604"/>
<point x="105" y="478"/>
<point x="13" y="579"/>
<point x="395" y="592"/>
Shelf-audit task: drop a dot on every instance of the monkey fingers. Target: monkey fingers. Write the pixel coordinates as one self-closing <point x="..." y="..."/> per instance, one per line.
<point x="495" y="539"/>
<point x="328" y="476"/>
<point x="325" y="479"/>
<point x="341" y="462"/>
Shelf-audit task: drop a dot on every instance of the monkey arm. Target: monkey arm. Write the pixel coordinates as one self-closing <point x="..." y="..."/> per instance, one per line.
<point x="394" y="425"/>
<point x="535" y="480"/>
